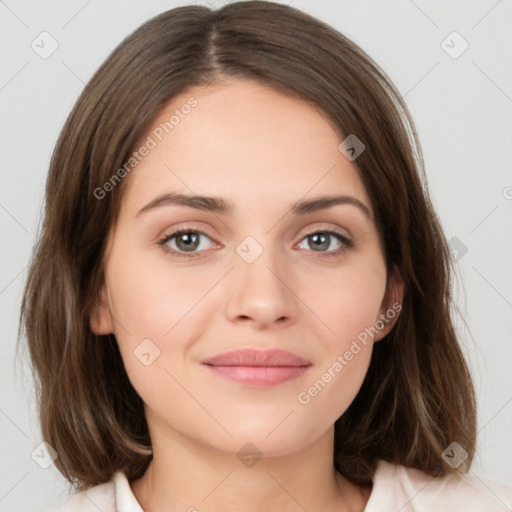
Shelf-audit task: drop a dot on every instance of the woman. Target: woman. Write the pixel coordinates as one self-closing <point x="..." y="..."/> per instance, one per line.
<point x="240" y="297"/>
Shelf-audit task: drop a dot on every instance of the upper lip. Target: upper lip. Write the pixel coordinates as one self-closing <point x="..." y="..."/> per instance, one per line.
<point x="252" y="357"/>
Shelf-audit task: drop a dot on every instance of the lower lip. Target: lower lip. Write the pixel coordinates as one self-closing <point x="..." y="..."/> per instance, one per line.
<point x="262" y="376"/>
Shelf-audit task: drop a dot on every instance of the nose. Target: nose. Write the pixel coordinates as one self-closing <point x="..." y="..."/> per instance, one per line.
<point x="261" y="292"/>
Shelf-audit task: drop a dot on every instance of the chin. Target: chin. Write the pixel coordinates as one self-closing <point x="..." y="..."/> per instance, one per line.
<point x="265" y="440"/>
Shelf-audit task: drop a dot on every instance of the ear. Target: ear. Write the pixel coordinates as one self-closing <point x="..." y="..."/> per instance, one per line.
<point x="101" y="321"/>
<point x="391" y="305"/>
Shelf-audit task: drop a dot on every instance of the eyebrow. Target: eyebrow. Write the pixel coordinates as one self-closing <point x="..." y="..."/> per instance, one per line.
<point x="220" y="206"/>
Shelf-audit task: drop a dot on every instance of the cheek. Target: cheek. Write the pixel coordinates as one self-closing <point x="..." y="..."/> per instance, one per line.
<point x="350" y="301"/>
<point x="333" y="387"/>
<point x="149" y="299"/>
<point x="350" y="309"/>
<point x="158" y="314"/>
<point x="348" y="306"/>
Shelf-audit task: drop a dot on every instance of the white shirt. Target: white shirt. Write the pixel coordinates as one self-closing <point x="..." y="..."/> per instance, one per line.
<point x="395" y="489"/>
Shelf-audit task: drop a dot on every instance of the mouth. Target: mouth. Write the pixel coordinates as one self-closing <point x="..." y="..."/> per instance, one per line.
<point x="258" y="368"/>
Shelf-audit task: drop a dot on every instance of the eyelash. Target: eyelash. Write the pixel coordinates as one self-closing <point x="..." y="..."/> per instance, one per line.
<point x="347" y="244"/>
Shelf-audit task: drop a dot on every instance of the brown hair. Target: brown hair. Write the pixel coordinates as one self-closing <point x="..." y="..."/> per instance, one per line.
<point x="417" y="397"/>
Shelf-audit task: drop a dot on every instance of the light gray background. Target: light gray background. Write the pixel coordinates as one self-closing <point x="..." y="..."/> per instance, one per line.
<point x="462" y="109"/>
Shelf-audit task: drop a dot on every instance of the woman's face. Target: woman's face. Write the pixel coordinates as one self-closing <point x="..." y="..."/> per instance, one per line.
<point x="262" y="273"/>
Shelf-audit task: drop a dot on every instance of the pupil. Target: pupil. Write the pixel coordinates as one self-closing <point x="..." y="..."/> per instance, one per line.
<point x="318" y="238"/>
<point x="190" y="240"/>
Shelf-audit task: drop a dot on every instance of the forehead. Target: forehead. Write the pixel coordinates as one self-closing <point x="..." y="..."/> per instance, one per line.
<point x="245" y="142"/>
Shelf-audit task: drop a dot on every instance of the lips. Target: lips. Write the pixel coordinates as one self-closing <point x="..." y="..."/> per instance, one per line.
<point x="258" y="368"/>
<point x="249" y="357"/>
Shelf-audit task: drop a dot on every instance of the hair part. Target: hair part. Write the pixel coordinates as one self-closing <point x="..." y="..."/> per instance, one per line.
<point x="417" y="397"/>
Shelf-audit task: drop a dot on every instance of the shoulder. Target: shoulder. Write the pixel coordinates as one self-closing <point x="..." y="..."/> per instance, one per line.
<point x="112" y="496"/>
<point x="396" y="487"/>
<point x="100" y="497"/>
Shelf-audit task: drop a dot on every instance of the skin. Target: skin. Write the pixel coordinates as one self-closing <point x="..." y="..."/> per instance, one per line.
<point x="261" y="151"/>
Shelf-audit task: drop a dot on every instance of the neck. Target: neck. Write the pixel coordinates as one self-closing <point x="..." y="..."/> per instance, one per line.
<point x="186" y="476"/>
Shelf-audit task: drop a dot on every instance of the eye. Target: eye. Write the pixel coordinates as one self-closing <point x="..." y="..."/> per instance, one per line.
<point x="323" y="240"/>
<point x="186" y="241"/>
